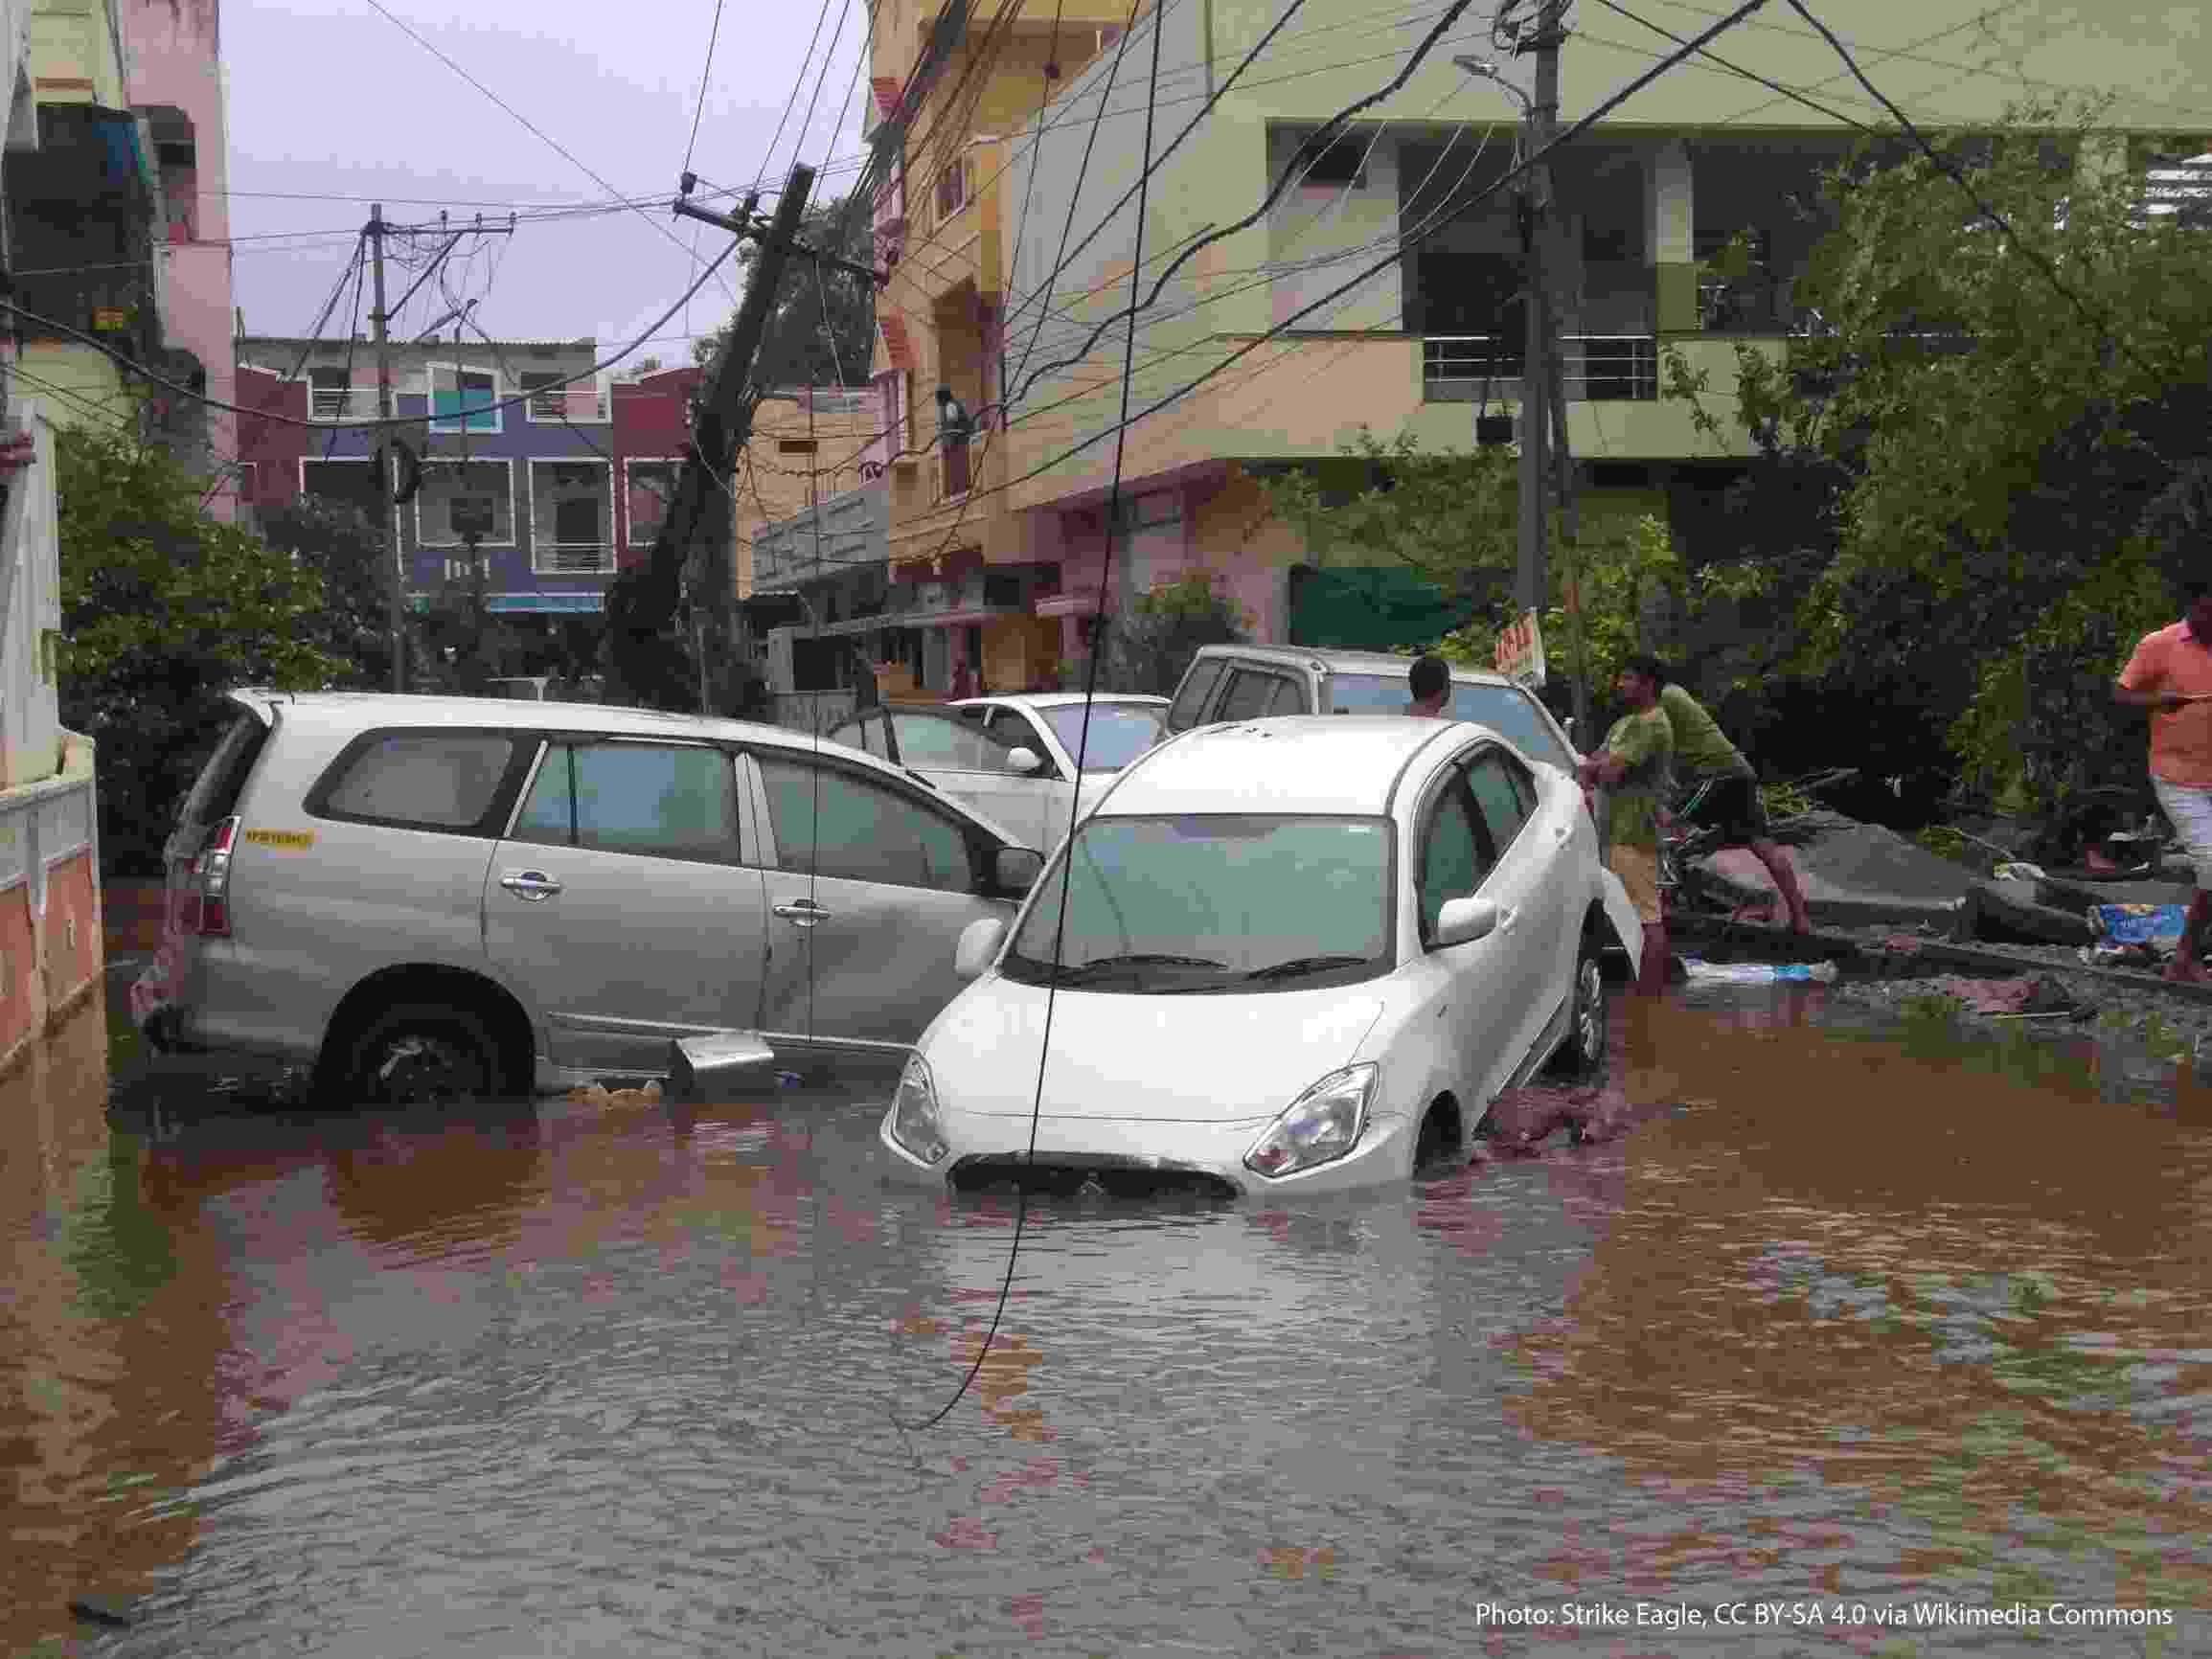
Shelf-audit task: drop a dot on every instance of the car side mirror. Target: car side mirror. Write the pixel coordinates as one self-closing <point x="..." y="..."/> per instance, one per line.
<point x="1464" y="920"/>
<point x="1016" y="869"/>
<point x="1025" y="760"/>
<point x="979" y="943"/>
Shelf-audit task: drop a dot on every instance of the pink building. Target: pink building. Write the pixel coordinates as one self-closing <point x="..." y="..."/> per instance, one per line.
<point x="173" y="52"/>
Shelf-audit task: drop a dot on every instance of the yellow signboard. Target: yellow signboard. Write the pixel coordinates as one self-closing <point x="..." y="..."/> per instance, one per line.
<point x="291" y="839"/>
<point x="1519" y="649"/>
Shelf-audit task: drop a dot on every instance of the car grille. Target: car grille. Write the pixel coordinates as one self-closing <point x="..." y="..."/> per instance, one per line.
<point x="1064" y="1175"/>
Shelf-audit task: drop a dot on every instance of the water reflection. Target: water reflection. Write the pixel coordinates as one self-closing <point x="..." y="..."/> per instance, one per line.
<point x="1836" y="1312"/>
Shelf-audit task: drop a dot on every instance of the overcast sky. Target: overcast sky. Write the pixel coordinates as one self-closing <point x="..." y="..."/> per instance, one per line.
<point x="328" y="99"/>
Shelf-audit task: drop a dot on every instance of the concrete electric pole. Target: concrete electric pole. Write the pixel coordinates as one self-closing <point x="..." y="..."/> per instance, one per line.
<point x="1538" y="370"/>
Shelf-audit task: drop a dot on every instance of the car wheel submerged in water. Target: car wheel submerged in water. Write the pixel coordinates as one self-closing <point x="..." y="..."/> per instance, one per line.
<point x="1582" y="1052"/>
<point x="415" y="1054"/>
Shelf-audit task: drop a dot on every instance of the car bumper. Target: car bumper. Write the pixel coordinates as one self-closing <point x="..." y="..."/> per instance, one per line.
<point x="1119" y="1152"/>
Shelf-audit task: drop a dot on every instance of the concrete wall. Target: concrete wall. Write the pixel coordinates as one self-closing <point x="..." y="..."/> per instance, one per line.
<point x="175" y="51"/>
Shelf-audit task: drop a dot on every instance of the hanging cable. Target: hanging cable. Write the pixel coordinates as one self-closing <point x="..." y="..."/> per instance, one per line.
<point x="706" y="77"/>
<point x="1115" y="534"/>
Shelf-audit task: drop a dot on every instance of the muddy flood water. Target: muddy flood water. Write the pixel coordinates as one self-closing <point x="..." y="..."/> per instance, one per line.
<point x="1871" y="1341"/>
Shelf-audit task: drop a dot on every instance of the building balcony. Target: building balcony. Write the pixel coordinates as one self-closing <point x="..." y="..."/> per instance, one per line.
<point x="573" y="558"/>
<point x="955" y="235"/>
<point x="1594" y="368"/>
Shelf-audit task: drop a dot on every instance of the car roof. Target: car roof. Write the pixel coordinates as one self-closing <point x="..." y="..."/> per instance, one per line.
<point x="1335" y="662"/>
<point x="1059" y="699"/>
<point x="1348" y="763"/>
<point x="378" y="708"/>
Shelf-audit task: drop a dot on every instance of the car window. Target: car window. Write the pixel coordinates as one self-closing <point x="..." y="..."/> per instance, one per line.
<point x="660" y="801"/>
<point x="945" y="743"/>
<point x="1253" y="695"/>
<point x="1012" y="727"/>
<point x="833" y="822"/>
<point x="1490" y="780"/>
<point x="1191" y="694"/>
<point x="1205" y="902"/>
<point x="223" y="777"/>
<point x="1119" y="732"/>
<point x="418" y="780"/>
<point x="1455" y="854"/>
<point x="1513" y="715"/>
<point x="864" y="732"/>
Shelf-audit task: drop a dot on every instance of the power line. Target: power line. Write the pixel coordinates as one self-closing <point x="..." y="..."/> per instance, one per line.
<point x="1789" y="92"/>
<point x="147" y="374"/>
<point x="706" y="77"/>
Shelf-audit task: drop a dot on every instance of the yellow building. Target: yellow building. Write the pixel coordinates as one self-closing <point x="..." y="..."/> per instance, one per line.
<point x="1366" y="295"/>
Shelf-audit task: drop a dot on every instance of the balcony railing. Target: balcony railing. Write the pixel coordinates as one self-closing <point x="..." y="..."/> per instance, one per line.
<point x="568" y="403"/>
<point x="1594" y="368"/>
<point x="341" y="402"/>
<point x="573" y="558"/>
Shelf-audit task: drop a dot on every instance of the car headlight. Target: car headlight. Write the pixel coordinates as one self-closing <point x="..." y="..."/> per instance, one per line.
<point x="914" y="1113"/>
<point x="1321" y="1124"/>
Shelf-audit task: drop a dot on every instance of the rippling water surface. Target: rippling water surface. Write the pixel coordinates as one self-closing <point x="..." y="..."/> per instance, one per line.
<point x="1847" y="1320"/>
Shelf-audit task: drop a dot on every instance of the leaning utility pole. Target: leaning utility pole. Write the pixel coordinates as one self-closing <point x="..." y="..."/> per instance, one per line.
<point x="1538" y="347"/>
<point x="643" y="602"/>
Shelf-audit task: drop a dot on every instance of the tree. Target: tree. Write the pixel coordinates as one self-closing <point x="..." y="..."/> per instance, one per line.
<point x="162" y="610"/>
<point x="2005" y="421"/>
<point x="347" y="552"/>
<point x="822" y="331"/>
<point x="1150" y="649"/>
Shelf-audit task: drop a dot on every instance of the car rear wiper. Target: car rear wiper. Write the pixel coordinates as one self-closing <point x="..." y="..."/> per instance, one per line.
<point x="1298" y="966"/>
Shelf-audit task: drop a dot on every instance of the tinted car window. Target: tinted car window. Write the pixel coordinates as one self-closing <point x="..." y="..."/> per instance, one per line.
<point x="1211" y="903"/>
<point x="1191" y="694"/>
<point x="428" y="780"/>
<point x="1454" y="856"/>
<point x="216" y="791"/>
<point x="1252" y="695"/>
<point x="947" y="743"/>
<point x="660" y="802"/>
<point x="1119" y="732"/>
<point x="834" y="822"/>
<point x="1490" y="781"/>
<point x="1012" y="727"/>
<point x="1506" y="710"/>
<point x="865" y="734"/>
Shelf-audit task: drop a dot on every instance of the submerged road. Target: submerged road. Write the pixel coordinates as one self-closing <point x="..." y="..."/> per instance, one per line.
<point x="1871" y="1325"/>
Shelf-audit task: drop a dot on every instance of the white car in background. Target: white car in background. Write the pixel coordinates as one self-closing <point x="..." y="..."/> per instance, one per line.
<point x="1287" y="954"/>
<point x="1013" y="758"/>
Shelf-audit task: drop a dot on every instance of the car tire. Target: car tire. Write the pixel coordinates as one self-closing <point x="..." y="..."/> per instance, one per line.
<point x="421" y="1053"/>
<point x="1582" y="1052"/>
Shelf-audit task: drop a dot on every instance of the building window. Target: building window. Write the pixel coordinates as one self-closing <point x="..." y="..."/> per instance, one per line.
<point x="463" y="400"/>
<point x="952" y="189"/>
<point x="344" y="483"/>
<point x="554" y="403"/>
<point x="461" y="498"/>
<point x="1338" y="161"/>
<point x="649" y="485"/>
<point x="329" y="393"/>
<point x="571" y="518"/>
<point x="794" y="447"/>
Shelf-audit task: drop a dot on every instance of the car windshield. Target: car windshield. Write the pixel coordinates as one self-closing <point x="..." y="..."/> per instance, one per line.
<point x="1119" y="732"/>
<point x="1506" y="710"/>
<point x="1212" y="903"/>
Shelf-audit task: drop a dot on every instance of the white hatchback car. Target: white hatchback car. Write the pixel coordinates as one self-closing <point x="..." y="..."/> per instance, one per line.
<point x="1013" y="757"/>
<point x="1297" y="953"/>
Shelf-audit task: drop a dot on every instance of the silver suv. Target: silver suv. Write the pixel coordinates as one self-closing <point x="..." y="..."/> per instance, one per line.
<point x="434" y="897"/>
<point x="1249" y="682"/>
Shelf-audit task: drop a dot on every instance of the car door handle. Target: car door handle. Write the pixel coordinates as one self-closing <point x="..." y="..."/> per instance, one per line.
<point x="803" y="911"/>
<point x="533" y="885"/>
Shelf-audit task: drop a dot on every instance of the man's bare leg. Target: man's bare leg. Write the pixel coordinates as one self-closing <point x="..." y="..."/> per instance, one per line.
<point x="1785" y="875"/>
<point x="1651" y="970"/>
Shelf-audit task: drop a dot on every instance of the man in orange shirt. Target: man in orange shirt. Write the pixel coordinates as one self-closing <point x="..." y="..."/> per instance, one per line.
<point x="2171" y="674"/>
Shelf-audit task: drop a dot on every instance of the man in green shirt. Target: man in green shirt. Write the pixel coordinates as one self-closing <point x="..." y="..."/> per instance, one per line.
<point x="1725" y="794"/>
<point x="1634" y="767"/>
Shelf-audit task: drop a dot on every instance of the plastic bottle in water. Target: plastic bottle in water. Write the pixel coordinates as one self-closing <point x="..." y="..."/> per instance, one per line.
<point x="1758" y="973"/>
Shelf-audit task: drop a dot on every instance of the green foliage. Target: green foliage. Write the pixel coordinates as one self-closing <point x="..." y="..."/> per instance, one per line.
<point x="1449" y="517"/>
<point x="162" y="609"/>
<point x="1167" y="624"/>
<point x="347" y="552"/>
<point x="2013" y="476"/>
